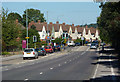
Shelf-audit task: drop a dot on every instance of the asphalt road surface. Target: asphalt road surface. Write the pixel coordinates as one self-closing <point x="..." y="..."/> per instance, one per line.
<point x="75" y="65"/>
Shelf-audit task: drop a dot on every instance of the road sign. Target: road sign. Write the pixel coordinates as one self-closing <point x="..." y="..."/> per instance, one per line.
<point x="34" y="39"/>
<point x="27" y="37"/>
<point x="82" y="38"/>
<point x="23" y="43"/>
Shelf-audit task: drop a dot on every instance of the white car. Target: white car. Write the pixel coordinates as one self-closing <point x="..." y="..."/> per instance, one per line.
<point x="71" y="43"/>
<point x="30" y="53"/>
<point x="93" y="46"/>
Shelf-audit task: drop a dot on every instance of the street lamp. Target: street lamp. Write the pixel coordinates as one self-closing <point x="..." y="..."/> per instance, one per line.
<point x="27" y="27"/>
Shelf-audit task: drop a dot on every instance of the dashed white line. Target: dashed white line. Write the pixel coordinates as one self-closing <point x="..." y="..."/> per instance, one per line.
<point x="25" y="79"/>
<point x="51" y="68"/>
<point x="41" y="73"/>
<point x="65" y="62"/>
<point x="59" y="65"/>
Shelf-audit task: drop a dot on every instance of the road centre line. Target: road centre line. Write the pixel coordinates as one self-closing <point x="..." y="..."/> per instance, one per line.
<point x="26" y="79"/>
<point x="41" y="73"/>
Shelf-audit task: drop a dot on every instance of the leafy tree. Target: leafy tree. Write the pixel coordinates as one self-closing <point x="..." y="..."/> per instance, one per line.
<point x="57" y="40"/>
<point x="33" y="15"/>
<point x="14" y="16"/>
<point x="31" y="33"/>
<point x="109" y="23"/>
<point x="10" y="32"/>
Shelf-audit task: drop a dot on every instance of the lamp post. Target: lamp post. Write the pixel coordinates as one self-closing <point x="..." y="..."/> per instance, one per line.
<point x="27" y="27"/>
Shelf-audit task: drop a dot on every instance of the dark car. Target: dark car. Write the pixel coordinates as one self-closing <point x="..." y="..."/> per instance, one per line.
<point x="56" y="48"/>
<point x="41" y="51"/>
<point x="77" y="44"/>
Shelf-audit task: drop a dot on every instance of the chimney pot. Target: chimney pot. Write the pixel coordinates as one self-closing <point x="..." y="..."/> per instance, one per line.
<point x="50" y="22"/>
<point x="63" y="23"/>
<point x="57" y="22"/>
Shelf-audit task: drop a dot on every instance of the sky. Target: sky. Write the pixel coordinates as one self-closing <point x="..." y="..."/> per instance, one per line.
<point x="78" y="13"/>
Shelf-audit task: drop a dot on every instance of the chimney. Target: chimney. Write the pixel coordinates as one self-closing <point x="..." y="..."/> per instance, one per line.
<point x="50" y="22"/>
<point x="45" y="22"/>
<point x="63" y="23"/>
<point x="38" y="21"/>
<point x="57" y="22"/>
<point x="72" y="24"/>
<point x="16" y="20"/>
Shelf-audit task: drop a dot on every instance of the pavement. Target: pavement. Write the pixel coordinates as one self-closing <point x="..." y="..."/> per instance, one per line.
<point x="106" y="66"/>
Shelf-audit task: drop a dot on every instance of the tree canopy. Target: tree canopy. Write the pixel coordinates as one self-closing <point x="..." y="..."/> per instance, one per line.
<point x="33" y="15"/>
<point x="13" y="16"/>
<point x="109" y="23"/>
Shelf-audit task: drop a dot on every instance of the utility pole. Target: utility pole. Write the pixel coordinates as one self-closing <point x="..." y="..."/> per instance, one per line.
<point x="27" y="26"/>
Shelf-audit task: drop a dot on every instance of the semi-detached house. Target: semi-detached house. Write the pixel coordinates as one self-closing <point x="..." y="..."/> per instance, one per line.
<point x="57" y="30"/>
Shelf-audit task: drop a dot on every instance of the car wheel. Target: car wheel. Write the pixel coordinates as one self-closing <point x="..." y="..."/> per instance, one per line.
<point x="24" y="58"/>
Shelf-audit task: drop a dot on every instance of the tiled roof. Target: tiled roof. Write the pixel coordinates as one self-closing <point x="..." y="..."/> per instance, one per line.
<point x="39" y="27"/>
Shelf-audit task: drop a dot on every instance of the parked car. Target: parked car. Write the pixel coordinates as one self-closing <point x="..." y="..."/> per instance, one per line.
<point x="49" y="49"/>
<point x="56" y="48"/>
<point x="30" y="53"/>
<point x="93" y="46"/>
<point x="77" y="44"/>
<point x="71" y="43"/>
<point x="41" y="51"/>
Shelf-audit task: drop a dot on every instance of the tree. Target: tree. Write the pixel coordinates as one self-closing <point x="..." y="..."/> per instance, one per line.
<point x="10" y="32"/>
<point x="31" y="33"/>
<point x="13" y="16"/>
<point x="109" y="23"/>
<point x="33" y="15"/>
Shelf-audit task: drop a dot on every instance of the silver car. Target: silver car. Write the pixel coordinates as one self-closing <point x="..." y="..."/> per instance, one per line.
<point x="30" y="53"/>
<point x="93" y="46"/>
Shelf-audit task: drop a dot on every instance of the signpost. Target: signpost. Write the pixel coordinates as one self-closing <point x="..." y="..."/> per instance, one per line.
<point x="34" y="40"/>
<point x="82" y="38"/>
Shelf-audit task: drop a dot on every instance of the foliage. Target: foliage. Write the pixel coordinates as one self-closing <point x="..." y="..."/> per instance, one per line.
<point x="78" y="40"/>
<point x="10" y="32"/>
<point x="13" y="16"/>
<point x="33" y="15"/>
<point x="57" y="40"/>
<point x="5" y="53"/>
<point x="109" y="23"/>
<point x="31" y="33"/>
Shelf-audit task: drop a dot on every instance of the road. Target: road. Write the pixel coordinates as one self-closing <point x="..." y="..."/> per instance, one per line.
<point x="73" y="65"/>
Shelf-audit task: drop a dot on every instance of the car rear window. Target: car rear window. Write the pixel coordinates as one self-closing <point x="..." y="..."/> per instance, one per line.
<point x="28" y="50"/>
<point x="93" y="44"/>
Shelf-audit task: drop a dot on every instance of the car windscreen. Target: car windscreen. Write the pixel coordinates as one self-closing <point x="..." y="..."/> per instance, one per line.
<point x="28" y="50"/>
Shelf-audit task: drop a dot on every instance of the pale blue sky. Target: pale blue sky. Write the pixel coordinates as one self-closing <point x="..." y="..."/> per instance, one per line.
<point x="68" y="12"/>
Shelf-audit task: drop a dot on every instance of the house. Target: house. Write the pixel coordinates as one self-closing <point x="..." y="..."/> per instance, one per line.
<point x="65" y="30"/>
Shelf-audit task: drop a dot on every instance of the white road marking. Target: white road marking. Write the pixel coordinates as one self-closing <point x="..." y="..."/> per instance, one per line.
<point x="20" y="66"/>
<point x="51" y="68"/>
<point x="96" y="68"/>
<point x="7" y="69"/>
<point x="25" y="79"/>
<point x="70" y="60"/>
<point x="65" y="62"/>
<point x="41" y="73"/>
<point x="59" y="65"/>
<point x="112" y="70"/>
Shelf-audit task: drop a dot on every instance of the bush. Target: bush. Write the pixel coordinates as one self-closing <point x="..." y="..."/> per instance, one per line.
<point x="5" y="53"/>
